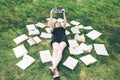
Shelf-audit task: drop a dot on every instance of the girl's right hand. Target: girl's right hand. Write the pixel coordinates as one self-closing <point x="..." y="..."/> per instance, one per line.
<point x="51" y="11"/>
<point x="63" y="10"/>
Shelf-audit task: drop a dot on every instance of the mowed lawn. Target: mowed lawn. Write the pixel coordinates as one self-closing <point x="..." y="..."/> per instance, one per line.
<point x="102" y="15"/>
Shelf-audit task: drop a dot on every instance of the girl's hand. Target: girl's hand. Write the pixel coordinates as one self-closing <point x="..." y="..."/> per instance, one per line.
<point x="63" y="10"/>
<point x="51" y="11"/>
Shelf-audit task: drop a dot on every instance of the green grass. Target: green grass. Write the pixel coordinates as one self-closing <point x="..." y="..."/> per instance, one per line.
<point x="102" y="15"/>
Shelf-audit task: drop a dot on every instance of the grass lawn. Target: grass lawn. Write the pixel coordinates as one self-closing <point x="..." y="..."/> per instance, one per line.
<point x="102" y="15"/>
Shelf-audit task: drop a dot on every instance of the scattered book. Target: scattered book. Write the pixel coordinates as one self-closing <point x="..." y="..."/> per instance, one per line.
<point x="88" y="59"/>
<point x="75" y="50"/>
<point x="74" y="22"/>
<point x="37" y="39"/>
<point x="67" y="32"/>
<point x="100" y="49"/>
<point x="46" y="35"/>
<point x="88" y="28"/>
<point x="25" y="62"/>
<point x="31" y="41"/>
<point x="30" y="27"/>
<point x="85" y="47"/>
<point x="73" y="43"/>
<point x="48" y="30"/>
<point x="80" y="26"/>
<point x="45" y="56"/>
<point x="41" y="25"/>
<point x="20" y="38"/>
<point x="34" y="32"/>
<point x="70" y="63"/>
<point x="93" y="34"/>
<point x="75" y="30"/>
<point x="20" y="51"/>
<point x="80" y="38"/>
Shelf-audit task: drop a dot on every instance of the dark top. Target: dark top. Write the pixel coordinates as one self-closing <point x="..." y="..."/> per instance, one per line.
<point x="59" y="35"/>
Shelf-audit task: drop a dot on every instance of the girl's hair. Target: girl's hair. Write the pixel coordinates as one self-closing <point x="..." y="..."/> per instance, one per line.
<point x="55" y="23"/>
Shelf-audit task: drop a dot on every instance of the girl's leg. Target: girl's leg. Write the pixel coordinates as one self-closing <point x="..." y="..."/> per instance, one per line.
<point x="60" y="49"/>
<point x="55" y="53"/>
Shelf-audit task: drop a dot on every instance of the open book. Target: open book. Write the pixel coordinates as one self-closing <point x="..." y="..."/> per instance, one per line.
<point x="20" y="38"/>
<point x="20" y="51"/>
<point x="41" y="25"/>
<point x="88" y="59"/>
<point x="70" y="62"/>
<point x="75" y="50"/>
<point x="45" y="56"/>
<point x="33" y="40"/>
<point x="30" y="27"/>
<point x="74" y="22"/>
<point x="93" y="34"/>
<point x="46" y="35"/>
<point x="73" y="43"/>
<point x="100" y="49"/>
<point x="85" y="47"/>
<point x="25" y="62"/>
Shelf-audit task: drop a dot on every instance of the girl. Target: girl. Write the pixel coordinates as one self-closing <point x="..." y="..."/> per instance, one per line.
<point x="58" y="43"/>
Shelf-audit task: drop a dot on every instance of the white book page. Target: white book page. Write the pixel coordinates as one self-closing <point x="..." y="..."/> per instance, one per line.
<point x="25" y="62"/>
<point x="20" y="51"/>
<point x="93" y="34"/>
<point x="45" y="56"/>
<point x="73" y="43"/>
<point x="100" y="49"/>
<point x="88" y="59"/>
<point x="30" y="27"/>
<point x="20" y="38"/>
<point x="45" y="35"/>
<point x="70" y="62"/>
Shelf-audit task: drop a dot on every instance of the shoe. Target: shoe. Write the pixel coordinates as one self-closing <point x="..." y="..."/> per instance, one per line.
<point x="51" y="70"/>
<point x="56" y="73"/>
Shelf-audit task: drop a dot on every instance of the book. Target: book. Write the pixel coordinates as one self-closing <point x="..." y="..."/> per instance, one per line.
<point x="75" y="50"/>
<point x="80" y="38"/>
<point x="67" y="32"/>
<point x="39" y="24"/>
<point x="70" y="63"/>
<point x="93" y="34"/>
<point x="34" y="32"/>
<point x="25" y="62"/>
<point x="48" y="30"/>
<point x="75" y="30"/>
<point x="45" y="56"/>
<point x="30" y="27"/>
<point x="101" y="50"/>
<point x="20" y="38"/>
<point x="37" y="39"/>
<point x="33" y="40"/>
<point x="20" y="51"/>
<point x="85" y="47"/>
<point x="88" y="59"/>
<point x="73" y="43"/>
<point x="74" y="22"/>
<point x="88" y="28"/>
<point x="46" y="35"/>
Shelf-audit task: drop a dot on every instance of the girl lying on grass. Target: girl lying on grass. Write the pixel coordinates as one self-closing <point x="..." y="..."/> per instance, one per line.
<point x="59" y="42"/>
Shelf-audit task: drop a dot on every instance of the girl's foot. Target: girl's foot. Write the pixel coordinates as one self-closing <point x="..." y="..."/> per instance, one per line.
<point x="56" y="73"/>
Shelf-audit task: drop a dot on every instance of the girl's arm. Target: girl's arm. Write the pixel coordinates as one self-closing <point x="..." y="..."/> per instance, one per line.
<point x="51" y="21"/>
<point x="65" y="22"/>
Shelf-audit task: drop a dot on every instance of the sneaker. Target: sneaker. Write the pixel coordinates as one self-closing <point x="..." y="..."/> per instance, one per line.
<point x="51" y="70"/>
<point x="56" y="73"/>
